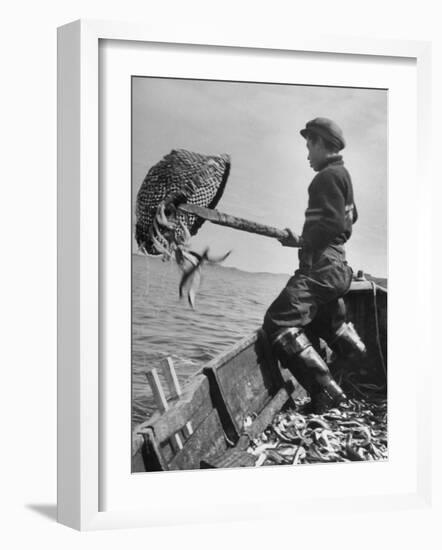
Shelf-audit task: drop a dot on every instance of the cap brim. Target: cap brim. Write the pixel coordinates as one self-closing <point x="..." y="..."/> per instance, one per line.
<point x="304" y="133"/>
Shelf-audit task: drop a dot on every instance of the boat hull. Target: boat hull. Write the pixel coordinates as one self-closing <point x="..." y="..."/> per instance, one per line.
<point x="234" y="397"/>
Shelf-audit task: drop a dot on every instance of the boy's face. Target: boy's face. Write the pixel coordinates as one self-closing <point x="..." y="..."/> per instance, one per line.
<point x="317" y="153"/>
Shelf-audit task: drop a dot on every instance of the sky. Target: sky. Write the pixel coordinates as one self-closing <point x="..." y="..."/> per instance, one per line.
<point x="258" y="125"/>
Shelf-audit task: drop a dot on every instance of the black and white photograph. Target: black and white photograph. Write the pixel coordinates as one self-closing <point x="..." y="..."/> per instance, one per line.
<point x="259" y="274"/>
<point x="221" y="275"/>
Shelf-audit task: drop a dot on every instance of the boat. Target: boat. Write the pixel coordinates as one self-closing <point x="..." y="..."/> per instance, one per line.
<point x="234" y="397"/>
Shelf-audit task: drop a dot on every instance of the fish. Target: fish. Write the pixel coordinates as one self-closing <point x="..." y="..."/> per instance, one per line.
<point x="191" y="264"/>
<point x="162" y="219"/>
<point x="299" y="455"/>
<point x="191" y="279"/>
<point x="172" y="239"/>
<point x="286" y="436"/>
<point x="264" y="447"/>
<point x="318" y="423"/>
<point x="276" y="457"/>
<point x="357" y="432"/>
<point x="261" y="459"/>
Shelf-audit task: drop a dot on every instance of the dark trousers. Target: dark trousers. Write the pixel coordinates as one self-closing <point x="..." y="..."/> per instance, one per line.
<point x="312" y="298"/>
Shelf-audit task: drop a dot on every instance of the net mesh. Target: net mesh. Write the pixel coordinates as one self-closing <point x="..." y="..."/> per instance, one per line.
<point x="199" y="179"/>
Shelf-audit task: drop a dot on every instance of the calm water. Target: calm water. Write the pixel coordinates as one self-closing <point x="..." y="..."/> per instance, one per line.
<point x="229" y="305"/>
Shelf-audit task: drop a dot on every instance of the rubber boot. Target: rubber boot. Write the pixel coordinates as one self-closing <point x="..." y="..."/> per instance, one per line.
<point x="347" y="343"/>
<point x="296" y="352"/>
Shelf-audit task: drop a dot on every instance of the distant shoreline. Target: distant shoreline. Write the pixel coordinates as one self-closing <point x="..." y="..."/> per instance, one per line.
<point x="233" y="268"/>
<point x="381" y="281"/>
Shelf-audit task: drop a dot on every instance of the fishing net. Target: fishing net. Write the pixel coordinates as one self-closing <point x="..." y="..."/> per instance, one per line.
<point x="193" y="177"/>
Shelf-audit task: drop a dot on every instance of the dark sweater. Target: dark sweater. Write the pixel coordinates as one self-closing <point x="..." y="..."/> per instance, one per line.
<point x="331" y="210"/>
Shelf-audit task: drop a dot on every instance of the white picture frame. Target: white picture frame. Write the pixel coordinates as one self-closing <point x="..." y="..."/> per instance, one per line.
<point x="80" y="294"/>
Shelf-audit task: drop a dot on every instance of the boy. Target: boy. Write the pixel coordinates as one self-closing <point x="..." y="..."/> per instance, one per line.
<point x="311" y="305"/>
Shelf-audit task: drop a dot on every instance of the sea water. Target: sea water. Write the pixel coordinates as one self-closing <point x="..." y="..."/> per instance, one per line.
<point x="230" y="304"/>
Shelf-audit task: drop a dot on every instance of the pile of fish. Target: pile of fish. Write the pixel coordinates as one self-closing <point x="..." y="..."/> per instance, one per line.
<point x="356" y="431"/>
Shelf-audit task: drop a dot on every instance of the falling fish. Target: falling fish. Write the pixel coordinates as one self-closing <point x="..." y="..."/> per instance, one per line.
<point x="191" y="263"/>
<point x="172" y="240"/>
<point x="191" y="279"/>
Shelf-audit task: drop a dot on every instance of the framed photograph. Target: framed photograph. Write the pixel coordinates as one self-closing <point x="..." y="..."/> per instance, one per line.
<point x="196" y="353"/>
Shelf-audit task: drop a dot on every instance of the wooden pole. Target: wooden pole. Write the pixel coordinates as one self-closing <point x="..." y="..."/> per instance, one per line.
<point x="160" y="397"/>
<point x="234" y="222"/>
<point x="157" y="390"/>
<point x="174" y="386"/>
<point x="171" y="377"/>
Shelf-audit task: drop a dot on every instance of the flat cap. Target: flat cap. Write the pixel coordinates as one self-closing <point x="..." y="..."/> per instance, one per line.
<point x="327" y="129"/>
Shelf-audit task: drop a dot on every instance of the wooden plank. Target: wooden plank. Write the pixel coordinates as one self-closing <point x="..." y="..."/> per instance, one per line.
<point x="232" y="458"/>
<point x="171" y="378"/>
<point x="231" y="352"/>
<point x="207" y="441"/>
<point x="160" y="398"/>
<point x="157" y="390"/>
<point x="194" y="406"/>
<point x="244" y="386"/>
<point x="174" y="387"/>
<point x="137" y="463"/>
<point x="188" y="429"/>
<point x="362" y="307"/>
<point x="137" y="442"/>
<point x="153" y="457"/>
<point x="268" y="412"/>
<point x="238" y="456"/>
<point x="246" y="381"/>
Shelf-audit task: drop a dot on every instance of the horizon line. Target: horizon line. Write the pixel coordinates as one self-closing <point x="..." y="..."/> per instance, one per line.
<point x="158" y="257"/>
